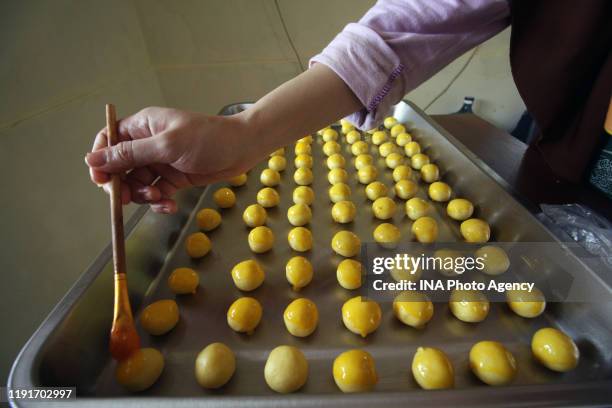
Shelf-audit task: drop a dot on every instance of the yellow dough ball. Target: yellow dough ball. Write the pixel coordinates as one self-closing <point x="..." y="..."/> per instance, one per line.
<point x="403" y="139"/>
<point x="261" y="239"/>
<point x="339" y="192"/>
<point x="376" y="190"/>
<point x="361" y="315"/>
<point x="363" y="160"/>
<point x="387" y="235"/>
<point x="336" y="176"/>
<point x="460" y="209"/>
<point x="331" y="148"/>
<point x="183" y="281"/>
<point x="416" y="208"/>
<point x="394" y="160"/>
<point x="406" y="189"/>
<point x="355" y="371"/>
<point x="419" y="160"/>
<point x="214" y="366"/>
<point x="306" y="139"/>
<point x="286" y="369"/>
<point x="470" y="306"/>
<point x="329" y="135"/>
<point x="301" y="317"/>
<point x="208" y="219"/>
<point x="300" y="239"/>
<point x="412" y="308"/>
<point x="278" y="152"/>
<point x="298" y="272"/>
<point x="302" y="148"/>
<point x="299" y="214"/>
<point x="526" y="303"/>
<point x="197" y="245"/>
<point x="343" y="212"/>
<point x="160" y="317"/>
<point x="238" y="180"/>
<point x="492" y="363"/>
<point x="303" y="195"/>
<point x="224" y="197"/>
<point x="269" y="177"/>
<point x="353" y="136"/>
<point x="407" y="272"/>
<point x="254" y="215"/>
<point x="383" y="208"/>
<point x="140" y="370"/>
<point x="425" y="230"/>
<point x="432" y="369"/>
<point x="402" y="172"/>
<point x="277" y="163"/>
<point x="248" y="275"/>
<point x="386" y="149"/>
<point x="389" y="122"/>
<point x="303" y="176"/>
<point x="439" y="191"/>
<point x="335" y="161"/>
<point x="244" y="315"/>
<point x="494" y="258"/>
<point x="321" y="131"/>
<point x="397" y="130"/>
<point x="346" y="128"/>
<point x="555" y="350"/>
<point x="346" y="243"/>
<point x="303" y="160"/>
<point x="430" y="173"/>
<point x="448" y="258"/>
<point x="379" y="137"/>
<point x="367" y="174"/>
<point x="348" y="274"/>
<point x="412" y="148"/>
<point x="359" y="147"/>
<point x="475" y="230"/>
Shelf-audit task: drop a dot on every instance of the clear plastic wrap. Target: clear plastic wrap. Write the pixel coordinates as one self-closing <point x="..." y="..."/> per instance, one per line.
<point x="581" y="224"/>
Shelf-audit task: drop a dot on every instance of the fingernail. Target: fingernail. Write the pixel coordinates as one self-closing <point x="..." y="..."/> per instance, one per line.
<point x="145" y="193"/>
<point x="160" y="208"/>
<point x="96" y="159"/>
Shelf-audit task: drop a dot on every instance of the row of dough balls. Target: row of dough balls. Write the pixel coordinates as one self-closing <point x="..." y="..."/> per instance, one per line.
<point x="286" y="367"/>
<point x="362" y="316"/>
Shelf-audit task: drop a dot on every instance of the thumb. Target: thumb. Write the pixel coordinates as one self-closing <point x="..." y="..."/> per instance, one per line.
<point x="128" y="155"/>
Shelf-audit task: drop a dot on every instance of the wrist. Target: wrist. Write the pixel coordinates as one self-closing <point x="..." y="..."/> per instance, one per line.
<point x="259" y="137"/>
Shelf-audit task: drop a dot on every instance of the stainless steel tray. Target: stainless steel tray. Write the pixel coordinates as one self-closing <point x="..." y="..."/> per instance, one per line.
<point x="70" y="347"/>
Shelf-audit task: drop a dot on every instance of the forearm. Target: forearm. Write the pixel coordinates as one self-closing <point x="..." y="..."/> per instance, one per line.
<point x="301" y="106"/>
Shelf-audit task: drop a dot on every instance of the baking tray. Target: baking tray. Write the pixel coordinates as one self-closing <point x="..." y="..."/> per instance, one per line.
<point x="70" y="347"/>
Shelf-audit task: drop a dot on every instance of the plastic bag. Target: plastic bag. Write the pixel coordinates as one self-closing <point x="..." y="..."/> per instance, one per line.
<point x="581" y="224"/>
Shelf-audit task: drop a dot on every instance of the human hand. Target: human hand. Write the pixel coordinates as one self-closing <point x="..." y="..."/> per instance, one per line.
<point x="164" y="150"/>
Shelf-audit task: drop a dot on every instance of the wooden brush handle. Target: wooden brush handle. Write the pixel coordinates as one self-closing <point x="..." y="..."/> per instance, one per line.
<point x="115" y="197"/>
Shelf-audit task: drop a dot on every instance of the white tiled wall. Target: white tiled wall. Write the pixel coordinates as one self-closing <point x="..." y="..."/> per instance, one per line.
<point x="61" y="60"/>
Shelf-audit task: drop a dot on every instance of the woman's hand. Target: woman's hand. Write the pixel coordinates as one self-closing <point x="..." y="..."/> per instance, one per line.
<point x="164" y="150"/>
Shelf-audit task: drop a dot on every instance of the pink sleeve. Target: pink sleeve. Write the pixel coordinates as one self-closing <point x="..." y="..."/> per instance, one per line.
<point x="398" y="44"/>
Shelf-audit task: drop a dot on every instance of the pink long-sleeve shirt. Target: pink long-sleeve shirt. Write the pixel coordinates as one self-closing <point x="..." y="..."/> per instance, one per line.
<point x="398" y="44"/>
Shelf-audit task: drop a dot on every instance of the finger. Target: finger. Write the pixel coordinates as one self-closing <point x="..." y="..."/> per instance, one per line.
<point x="124" y="192"/>
<point x="164" y="206"/>
<point x="144" y="175"/>
<point x="128" y="155"/>
<point x="142" y="194"/>
<point x="166" y="188"/>
<point x="172" y="175"/>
